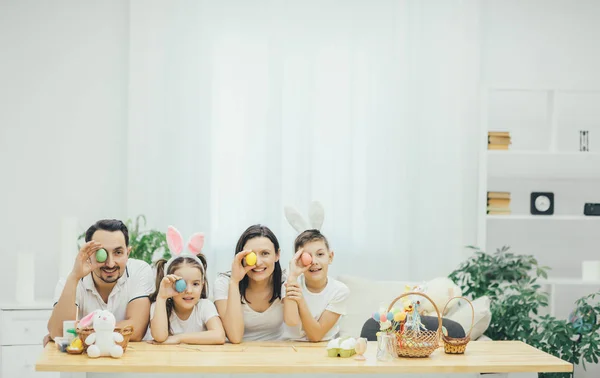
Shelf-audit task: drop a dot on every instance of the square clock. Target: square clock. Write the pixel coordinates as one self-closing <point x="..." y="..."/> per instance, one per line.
<point x="542" y="203"/>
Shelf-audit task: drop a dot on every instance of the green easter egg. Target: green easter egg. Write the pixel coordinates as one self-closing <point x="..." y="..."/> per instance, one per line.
<point x="101" y="255"/>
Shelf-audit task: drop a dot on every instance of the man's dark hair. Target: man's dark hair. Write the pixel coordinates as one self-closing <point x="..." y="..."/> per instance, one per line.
<point x="108" y="225"/>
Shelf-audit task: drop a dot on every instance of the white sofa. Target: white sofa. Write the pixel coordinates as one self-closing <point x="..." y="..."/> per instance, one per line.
<point x="366" y="296"/>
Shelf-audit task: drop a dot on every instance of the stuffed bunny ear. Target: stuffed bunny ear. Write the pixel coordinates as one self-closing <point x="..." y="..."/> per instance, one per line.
<point x="86" y="321"/>
<point x="196" y="243"/>
<point x="316" y="215"/>
<point x="174" y="241"/>
<point x="295" y="219"/>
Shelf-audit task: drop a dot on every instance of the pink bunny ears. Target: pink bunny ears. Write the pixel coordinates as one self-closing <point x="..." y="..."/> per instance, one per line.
<point x="175" y="242"/>
<point x="176" y="246"/>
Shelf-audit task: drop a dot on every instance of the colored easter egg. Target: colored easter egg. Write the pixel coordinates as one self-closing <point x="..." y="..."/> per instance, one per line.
<point x="180" y="286"/>
<point x="306" y="259"/>
<point x="101" y="255"/>
<point x="390" y="316"/>
<point x="376" y="316"/>
<point x="399" y="316"/>
<point x="382" y="318"/>
<point x="251" y="259"/>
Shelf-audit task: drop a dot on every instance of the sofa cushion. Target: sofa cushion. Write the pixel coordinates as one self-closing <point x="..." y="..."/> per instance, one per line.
<point x="371" y="327"/>
<point x="366" y="297"/>
<point x="482" y="316"/>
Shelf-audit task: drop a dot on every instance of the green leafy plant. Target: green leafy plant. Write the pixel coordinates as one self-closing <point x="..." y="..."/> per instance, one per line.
<point x="144" y="243"/>
<point x="510" y="281"/>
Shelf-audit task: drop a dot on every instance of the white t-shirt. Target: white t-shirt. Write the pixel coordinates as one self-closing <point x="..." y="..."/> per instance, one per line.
<point x="332" y="298"/>
<point x="258" y="326"/>
<point x="136" y="282"/>
<point x="201" y="314"/>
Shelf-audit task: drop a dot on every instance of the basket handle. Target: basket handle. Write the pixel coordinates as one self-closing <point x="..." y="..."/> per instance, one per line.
<point x="127" y="329"/>
<point x="439" y="330"/>
<point x="472" y="312"/>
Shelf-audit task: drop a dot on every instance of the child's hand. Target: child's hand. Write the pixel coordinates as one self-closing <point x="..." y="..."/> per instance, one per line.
<point x="167" y="289"/>
<point x="296" y="266"/>
<point x="85" y="261"/>
<point x="238" y="270"/>
<point x="293" y="291"/>
<point x="172" y="340"/>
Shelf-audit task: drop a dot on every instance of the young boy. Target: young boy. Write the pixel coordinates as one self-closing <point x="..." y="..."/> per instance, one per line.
<point x="314" y="302"/>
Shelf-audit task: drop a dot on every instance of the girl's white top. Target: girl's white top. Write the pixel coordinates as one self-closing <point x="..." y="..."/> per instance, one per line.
<point x="203" y="311"/>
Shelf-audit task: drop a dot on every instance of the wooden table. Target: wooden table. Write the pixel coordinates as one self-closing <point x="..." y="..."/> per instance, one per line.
<point x="285" y="357"/>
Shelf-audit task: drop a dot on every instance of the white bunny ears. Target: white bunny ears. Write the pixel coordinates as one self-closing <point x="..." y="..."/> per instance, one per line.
<point x="316" y="215"/>
<point x="175" y="243"/>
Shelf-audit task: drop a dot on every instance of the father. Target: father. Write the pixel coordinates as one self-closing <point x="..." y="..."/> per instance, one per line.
<point x="120" y="285"/>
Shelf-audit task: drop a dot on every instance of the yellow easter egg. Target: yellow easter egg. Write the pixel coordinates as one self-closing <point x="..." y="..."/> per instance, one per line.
<point x="251" y="259"/>
<point x="400" y="316"/>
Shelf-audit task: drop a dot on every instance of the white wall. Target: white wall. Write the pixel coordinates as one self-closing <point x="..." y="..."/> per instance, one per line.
<point x="63" y="69"/>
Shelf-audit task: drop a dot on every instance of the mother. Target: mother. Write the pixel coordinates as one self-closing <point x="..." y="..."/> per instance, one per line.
<point x="249" y="298"/>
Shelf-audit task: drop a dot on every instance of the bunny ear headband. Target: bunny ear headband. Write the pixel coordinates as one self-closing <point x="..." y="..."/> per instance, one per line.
<point x="316" y="215"/>
<point x="175" y="243"/>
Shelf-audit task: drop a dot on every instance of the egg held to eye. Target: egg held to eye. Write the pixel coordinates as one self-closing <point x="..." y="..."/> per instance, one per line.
<point x="306" y="259"/>
<point x="180" y="286"/>
<point x="101" y="255"/>
<point x="251" y="259"/>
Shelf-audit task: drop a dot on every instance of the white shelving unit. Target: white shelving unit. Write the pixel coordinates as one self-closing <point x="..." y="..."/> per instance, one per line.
<point x="544" y="125"/>
<point x="544" y="158"/>
<point x="549" y="218"/>
<point x="544" y="165"/>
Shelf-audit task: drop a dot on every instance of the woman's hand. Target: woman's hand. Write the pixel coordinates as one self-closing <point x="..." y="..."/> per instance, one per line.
<point x="238" y="270"/>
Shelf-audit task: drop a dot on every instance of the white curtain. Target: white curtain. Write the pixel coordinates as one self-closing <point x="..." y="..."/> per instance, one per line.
<point x="237" y="108"/>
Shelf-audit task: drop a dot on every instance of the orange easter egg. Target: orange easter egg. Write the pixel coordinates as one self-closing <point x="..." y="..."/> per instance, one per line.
<point x="306" y="259"/>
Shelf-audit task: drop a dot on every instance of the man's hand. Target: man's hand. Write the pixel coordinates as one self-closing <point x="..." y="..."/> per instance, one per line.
<point x="85" y="261"/>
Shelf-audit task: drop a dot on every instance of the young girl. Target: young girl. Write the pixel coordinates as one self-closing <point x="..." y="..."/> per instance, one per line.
<point x="314" y="302"/>
<point x="249" y="297"/>
<point x="186" y="316"/>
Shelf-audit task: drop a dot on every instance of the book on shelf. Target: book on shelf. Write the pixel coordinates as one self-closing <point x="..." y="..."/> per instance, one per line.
<point x="498" y="140"/>
<point x="498" y="203"/>
<point x="498" y="195"/>
<point x="501" y="141"/>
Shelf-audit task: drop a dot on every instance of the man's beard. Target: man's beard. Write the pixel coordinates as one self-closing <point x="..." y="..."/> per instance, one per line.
<point x="116" y="276"/>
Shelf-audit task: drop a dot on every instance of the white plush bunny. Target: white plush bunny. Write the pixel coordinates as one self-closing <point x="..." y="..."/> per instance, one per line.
<point x="103" y="342"/>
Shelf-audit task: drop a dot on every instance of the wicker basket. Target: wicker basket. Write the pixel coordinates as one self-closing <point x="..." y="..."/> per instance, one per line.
<point x="126" y="332"/>
<point x="421" y="343"/>
<point x="458" y="345"/>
